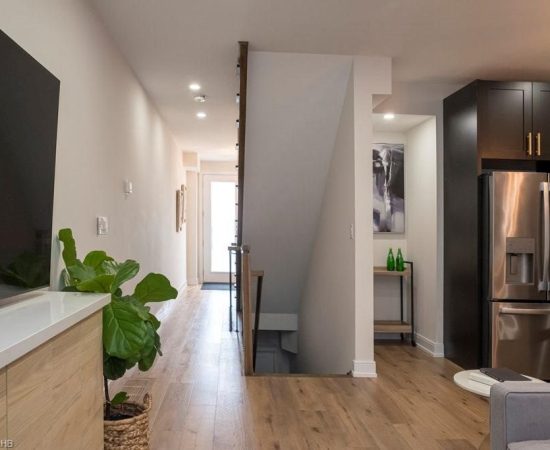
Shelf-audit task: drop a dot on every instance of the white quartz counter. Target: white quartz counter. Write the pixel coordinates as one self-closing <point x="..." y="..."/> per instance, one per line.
<point x="39" y="316"/>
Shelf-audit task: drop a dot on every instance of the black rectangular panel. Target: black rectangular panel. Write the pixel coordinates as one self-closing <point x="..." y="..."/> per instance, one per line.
<point x="28" y="131"/>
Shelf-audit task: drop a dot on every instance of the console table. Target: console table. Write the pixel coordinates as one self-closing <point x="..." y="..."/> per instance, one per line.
<point x="399" y="326"/>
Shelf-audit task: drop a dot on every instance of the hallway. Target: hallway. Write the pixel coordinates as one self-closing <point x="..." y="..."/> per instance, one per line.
<point x="201" y="401"/>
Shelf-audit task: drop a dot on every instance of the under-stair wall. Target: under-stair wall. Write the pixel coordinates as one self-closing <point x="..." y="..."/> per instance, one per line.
<point x="293" y="110"/>
<point x="326" y="340"/>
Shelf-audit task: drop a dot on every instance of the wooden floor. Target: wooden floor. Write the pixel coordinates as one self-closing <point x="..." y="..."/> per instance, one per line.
<point x="201" y="401"/>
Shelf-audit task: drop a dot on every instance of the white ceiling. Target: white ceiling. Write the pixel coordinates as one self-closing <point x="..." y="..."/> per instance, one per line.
<point x="401" y="123"/>
<point x="170" y="43"/>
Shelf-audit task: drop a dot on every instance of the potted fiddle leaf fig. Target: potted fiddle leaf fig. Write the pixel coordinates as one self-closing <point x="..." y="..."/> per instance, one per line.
<point x="130" y="332"/>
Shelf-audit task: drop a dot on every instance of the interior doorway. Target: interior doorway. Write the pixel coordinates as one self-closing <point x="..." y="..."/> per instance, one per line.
<point x="219" y="225"/>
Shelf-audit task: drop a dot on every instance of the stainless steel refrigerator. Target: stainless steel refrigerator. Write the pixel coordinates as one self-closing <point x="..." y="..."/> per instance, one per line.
<point x="516" y="254"/>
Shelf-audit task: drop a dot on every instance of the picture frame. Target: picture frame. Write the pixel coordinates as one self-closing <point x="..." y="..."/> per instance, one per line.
<point x="388" y="188"/>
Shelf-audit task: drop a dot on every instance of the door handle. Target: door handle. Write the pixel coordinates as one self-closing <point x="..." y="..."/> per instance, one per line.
<point x="538" y="139"/>
<point x="543" y="283"/>
<point x="530" y="144"/>
<point x="524" y="311"/>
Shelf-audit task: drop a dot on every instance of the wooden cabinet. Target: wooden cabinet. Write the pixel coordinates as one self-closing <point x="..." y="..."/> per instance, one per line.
<point x="513" y="120"/>
<point x="3" y="406"/>
<point x="505" y="119"/>
<point x="541" y="120"/>
<point x="53" y="396"/>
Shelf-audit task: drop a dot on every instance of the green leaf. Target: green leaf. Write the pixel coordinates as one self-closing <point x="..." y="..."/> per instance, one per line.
<point x="80" y="272"/>
<point x="147" y="361"/>
<point x="69" y="247"/>
<point x="109" y="266"/>
<point x="119" y="398"/>
<point x="101" y="283"/>
<point x="126" y="271"/>
<point x="124" y="331"/>
<point x="95" y="260"/>
<point x="155" y="287"/>
<point x="142" y="310"/>
<point x="149" y="351"/>
<point x="113" y="368"/>
<point x="131" y="362"/>
<point x="154" y="321"/>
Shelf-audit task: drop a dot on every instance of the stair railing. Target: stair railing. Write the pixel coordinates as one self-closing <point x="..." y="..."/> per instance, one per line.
<point x="246" y="285"/>
<point x="250" y="332"/>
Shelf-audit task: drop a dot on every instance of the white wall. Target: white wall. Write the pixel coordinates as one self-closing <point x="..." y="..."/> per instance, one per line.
<point x="421" y="204"/>
<point x="108" y="131"/>
<point x="293" y="108"/>
<point x="371" y="76"/>
<point x="326" y="338"/>
<point x="218" y="167"/>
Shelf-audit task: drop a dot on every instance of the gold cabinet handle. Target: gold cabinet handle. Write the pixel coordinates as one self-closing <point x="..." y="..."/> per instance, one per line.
<point x="538" y="140"/>
<point x="530" y="144"/>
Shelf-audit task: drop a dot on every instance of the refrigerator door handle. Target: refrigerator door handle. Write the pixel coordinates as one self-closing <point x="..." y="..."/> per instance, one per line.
<point x="524" y="311"/>
<point x="543" y="283"/>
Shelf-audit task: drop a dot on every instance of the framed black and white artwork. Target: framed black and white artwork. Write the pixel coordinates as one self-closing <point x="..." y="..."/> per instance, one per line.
<point x="388" y="188"/>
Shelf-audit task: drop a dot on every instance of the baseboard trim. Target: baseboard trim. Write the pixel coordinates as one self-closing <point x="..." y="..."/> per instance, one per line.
<point x="193" y="282"/>
<point x="182" y="287"/>
<point x="364" y="369"/>
<point x="435" y="349"/>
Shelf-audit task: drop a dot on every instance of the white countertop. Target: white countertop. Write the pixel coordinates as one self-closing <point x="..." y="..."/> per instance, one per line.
<point x="38" y="316"/>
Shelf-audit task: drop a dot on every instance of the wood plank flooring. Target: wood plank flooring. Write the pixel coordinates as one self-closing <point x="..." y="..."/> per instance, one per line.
<point x="201" y="400"/>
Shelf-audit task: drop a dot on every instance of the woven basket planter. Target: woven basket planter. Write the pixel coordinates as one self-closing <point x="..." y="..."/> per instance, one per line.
<point x="131" y="433"/>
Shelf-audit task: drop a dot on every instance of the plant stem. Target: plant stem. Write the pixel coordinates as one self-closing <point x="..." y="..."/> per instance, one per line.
<point x="107" y="398"/>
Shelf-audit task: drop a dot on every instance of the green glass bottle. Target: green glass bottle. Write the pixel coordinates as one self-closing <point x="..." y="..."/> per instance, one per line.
<point x="390" y="261"/>
<point x="399" y="261"/>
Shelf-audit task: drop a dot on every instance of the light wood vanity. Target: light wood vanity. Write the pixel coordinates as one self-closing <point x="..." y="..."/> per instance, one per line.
<point x="51" y="394"/>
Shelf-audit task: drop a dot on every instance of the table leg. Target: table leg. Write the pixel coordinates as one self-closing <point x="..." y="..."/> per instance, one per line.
<point x="401" y="301"/>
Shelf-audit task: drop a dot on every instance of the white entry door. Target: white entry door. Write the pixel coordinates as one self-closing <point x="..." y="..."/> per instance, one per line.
<point x="219" y="225"/>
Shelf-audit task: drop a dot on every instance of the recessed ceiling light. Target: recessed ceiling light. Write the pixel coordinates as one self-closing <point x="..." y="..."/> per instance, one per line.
<point x="200" y="98"/>
<point x="195" y="87"/>
<point x="389" y="116"/>
<point x="201" y="115"/>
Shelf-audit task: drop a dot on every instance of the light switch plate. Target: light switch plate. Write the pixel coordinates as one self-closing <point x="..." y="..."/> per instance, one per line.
<point x="128" y="187"/>
<point x="102" y="225"/>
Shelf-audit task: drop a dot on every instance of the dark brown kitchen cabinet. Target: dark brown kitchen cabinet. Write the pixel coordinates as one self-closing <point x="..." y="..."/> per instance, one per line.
<point x="513" y="120"/>
<point x="505" y="112"/>
<point x="541" y="120"/>
<point x="487" y="126"/>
